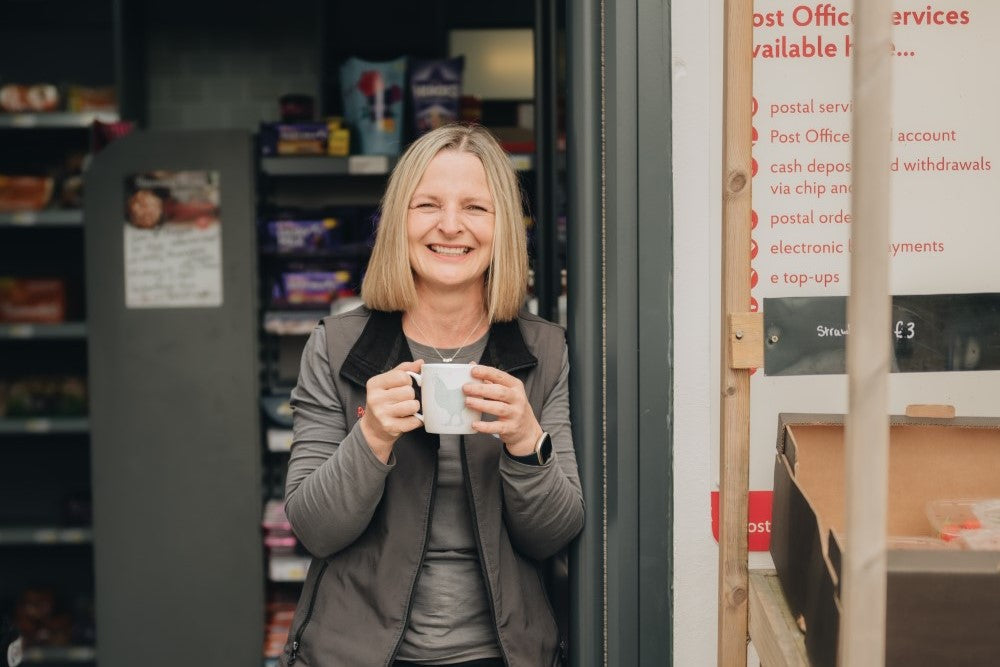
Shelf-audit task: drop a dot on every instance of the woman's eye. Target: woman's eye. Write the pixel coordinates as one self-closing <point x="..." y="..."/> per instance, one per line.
<point x="425" y="204"/>
<point x="477" y="208"/>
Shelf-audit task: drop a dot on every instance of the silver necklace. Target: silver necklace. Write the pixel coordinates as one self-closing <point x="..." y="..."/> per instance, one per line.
<point x="444" y="359"/>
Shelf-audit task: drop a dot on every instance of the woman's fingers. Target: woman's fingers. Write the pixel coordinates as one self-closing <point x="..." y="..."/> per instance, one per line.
<point x="396" y="377"/>
<point x="403" y="409"/>
<point x="385" y="407"/>
<point x="491" y="428"/>
<point x="499" y="409"/>
<point x="490" y="392"/>
<point x="396" y="394"/>
<point x="495" y="375"/>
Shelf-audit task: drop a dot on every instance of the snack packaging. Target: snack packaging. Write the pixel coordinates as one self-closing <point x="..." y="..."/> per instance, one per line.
<point x="293" y="138"/>
<point x="104" y="133"/>
<point x="25" y="193"/>
<point x="302" y="235"/>
<point x="436" y="88"/>
<point x="953" y="517"/>
<point x="43" y="396"/>
<point x="988" y="512"/>
<point x="279" y="624"/>
<point x="20" y="98"/>
<point x="274" y="517"/>
<point x="338" y="140"/>
<point x="985" y="539"/>
<point x="91" y="98"/>
<point x="32" y="300"/>
<point x="310" y="288"/>
<point x="373" y="103"/>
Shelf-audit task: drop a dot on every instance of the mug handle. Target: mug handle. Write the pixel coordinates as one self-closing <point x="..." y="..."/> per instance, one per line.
<point x="419" y="380"/>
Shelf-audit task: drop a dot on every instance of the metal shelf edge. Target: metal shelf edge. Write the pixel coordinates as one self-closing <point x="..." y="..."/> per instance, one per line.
<point x="326" y="165"/>
<point x="55" y="119"/>
<point x="37" y="654"/>
<point x="44" y="218"/>
<point x="43" y="331"/>
<point x="42" y="425"/>
<point x="45" y="536"/>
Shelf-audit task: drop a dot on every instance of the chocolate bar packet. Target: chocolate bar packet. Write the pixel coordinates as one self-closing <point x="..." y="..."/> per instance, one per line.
<point x="436" y="88"/>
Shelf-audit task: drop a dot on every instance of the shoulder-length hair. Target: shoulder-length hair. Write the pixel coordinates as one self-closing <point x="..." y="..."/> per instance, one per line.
<point x="388" y="284"/>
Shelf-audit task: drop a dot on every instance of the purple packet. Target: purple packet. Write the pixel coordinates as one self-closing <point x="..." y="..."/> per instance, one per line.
<point x="436" y="87"/>
<point x="312" y="287"/>
<point x="303" y="235"/>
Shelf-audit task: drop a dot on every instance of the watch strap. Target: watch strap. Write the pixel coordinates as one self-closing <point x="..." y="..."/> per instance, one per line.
<point x="541" y="455"/>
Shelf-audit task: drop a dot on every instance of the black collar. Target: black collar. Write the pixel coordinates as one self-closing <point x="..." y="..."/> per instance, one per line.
<point x="382" y="346"/>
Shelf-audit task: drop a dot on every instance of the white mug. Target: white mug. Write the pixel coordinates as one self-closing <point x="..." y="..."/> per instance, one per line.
<point x="442" y="398"/>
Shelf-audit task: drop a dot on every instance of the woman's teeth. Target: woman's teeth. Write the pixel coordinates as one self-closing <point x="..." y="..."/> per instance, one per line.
<point x="444" y="250"/>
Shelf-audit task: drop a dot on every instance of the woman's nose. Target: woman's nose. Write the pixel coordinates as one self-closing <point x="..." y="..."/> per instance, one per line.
<point x="450" y="220"/>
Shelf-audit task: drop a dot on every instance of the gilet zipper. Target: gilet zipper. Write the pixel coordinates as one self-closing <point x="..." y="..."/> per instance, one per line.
<point x="561" y="650"/>
<point x="481" y="551"/>
<point x="309" y="612"/>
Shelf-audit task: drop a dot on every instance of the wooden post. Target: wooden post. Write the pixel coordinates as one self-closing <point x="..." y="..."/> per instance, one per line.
<point x="734" y="459"/>
<point x="863" y="589"/>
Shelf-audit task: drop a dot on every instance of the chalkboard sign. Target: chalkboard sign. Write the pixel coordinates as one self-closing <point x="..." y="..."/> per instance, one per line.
<point x="927" y="333"/>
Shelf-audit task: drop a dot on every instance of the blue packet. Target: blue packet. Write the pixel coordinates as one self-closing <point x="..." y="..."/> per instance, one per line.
<point x="373" y="103"/>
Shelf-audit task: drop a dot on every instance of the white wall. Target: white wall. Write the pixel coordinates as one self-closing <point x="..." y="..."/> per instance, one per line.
<point x="697" y="165"/>
<point x="697" y="168"/>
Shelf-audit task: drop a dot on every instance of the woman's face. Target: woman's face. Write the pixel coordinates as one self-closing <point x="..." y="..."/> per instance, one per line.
<point x="145" y="209"/>
<point x="450" y="223"/>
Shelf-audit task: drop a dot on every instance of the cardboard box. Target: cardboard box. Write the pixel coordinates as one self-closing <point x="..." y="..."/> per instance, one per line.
<point x="943" y="604"/>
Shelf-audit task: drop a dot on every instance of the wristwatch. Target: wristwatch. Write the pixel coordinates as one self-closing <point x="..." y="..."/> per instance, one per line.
<point x="543" y="452"/>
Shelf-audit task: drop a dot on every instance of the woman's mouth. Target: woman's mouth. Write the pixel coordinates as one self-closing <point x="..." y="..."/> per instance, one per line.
<point x="450" y="250"/>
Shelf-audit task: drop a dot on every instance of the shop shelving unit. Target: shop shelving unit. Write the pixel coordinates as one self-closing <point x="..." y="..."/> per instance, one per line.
<point x="44" y="459"/>
<point x="315" y="187"/>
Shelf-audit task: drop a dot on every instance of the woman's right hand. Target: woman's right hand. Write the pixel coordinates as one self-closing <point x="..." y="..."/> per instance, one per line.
<point x="390" y="409"/>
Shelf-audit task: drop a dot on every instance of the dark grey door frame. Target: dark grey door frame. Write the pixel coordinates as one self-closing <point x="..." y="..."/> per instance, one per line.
<point x="620" y="324"/>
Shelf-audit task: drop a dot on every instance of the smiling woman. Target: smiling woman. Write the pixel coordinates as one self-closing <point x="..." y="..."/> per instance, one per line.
<point x="427" y="546"/>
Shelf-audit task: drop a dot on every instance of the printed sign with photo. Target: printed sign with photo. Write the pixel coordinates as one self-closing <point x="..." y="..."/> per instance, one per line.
<point x="173" y="240"/>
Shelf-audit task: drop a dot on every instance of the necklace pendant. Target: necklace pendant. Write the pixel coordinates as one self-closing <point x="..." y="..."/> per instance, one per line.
<point x="448" y="360"/>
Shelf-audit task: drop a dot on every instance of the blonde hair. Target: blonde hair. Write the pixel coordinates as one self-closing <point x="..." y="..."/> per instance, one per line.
<point x="388" y="284"/>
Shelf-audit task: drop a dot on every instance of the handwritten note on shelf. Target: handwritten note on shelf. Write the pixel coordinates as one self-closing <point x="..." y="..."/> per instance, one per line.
<point x="173" y="266"/>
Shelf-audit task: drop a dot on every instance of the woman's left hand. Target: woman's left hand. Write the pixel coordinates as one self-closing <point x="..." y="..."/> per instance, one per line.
<point x="502" y="395"/>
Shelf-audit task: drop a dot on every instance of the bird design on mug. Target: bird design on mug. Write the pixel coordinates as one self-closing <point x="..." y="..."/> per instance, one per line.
<point x="450" y="400"/>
